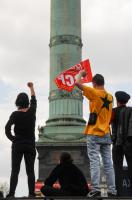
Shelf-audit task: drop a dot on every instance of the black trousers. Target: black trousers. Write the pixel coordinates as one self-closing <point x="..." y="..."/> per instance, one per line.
<point x="51" y="191"/>
<point x="29" y="152"/>
<point x="118" y="153"/>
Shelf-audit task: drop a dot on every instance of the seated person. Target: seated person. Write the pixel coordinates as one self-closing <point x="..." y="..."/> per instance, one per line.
<point x="69" y="176"/>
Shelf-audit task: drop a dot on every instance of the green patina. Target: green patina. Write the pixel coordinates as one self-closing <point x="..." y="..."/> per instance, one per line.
<point x="65" y="123"/>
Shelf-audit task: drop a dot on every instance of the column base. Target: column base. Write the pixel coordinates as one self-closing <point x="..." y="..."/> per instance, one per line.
<point x="49" y="154"/>
<point x="61" y="134"/>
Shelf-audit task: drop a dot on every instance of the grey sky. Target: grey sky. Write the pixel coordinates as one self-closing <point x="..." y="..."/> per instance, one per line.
<point x="24" y="56"/>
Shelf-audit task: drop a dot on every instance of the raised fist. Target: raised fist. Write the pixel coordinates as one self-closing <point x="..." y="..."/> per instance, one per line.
<point x="30" y="84"/>
<point x="83" y="73"/>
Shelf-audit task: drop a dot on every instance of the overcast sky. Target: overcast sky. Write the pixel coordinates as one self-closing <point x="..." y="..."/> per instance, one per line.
<point x="24" y="56"/>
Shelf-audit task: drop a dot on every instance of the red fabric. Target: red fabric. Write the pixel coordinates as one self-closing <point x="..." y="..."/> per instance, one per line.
<point x="66" y="80"/>
<point x="39" y="185"/>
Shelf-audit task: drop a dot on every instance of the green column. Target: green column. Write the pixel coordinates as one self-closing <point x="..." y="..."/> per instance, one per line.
<point x="65" y="121"/>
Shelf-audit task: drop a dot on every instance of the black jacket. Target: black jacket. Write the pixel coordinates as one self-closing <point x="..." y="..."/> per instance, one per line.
<point x="122" y="125"/>
<point x="69" y="177"/>
<point x="24" y="124"/>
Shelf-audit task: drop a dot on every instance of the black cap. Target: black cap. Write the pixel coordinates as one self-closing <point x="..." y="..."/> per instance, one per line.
<point x="122" y="96"/>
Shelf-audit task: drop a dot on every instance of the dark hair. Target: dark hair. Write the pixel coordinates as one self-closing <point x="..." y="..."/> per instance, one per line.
<point x="22" y="100"/>
<point x="65" y="158"/>
<point x="98" y="79"/>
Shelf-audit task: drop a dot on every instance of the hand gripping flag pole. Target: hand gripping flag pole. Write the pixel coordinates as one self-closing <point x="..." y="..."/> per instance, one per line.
<point x="66" y="80"/>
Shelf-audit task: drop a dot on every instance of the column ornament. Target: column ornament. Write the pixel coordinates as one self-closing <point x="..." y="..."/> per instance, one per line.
<point x="65" y="39"/>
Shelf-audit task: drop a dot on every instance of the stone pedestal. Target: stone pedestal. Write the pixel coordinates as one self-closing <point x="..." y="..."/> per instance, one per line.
<point x="49" y="154"/>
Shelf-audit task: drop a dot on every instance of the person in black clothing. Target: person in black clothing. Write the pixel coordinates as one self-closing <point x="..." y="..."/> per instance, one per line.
<point x="69" y="176"/>
<point x="23" y="140"/>
<point x="122" y="146"/>
<point x="1" y="194"/>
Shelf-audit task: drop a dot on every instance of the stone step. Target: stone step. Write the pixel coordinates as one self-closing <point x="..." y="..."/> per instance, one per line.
<point x="67" y="198"/>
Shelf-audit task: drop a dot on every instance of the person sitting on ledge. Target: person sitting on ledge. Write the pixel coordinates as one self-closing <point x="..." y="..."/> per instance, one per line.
<point x="70" y="178"/>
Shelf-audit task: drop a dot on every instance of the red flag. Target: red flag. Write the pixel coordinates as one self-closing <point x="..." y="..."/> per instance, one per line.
<point x="66" y="80"/>
<point x="86" y="66"/>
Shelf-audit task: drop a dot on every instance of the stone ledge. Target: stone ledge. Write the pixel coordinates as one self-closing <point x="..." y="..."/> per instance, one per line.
<point x="65" y="198"/>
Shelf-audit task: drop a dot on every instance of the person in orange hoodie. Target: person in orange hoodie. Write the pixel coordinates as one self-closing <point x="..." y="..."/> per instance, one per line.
<point x="97" y="132"/>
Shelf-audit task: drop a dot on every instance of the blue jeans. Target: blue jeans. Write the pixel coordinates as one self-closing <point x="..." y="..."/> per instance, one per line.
<point x="100" y="145"/>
